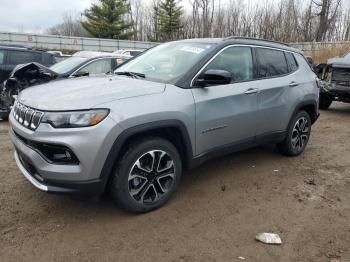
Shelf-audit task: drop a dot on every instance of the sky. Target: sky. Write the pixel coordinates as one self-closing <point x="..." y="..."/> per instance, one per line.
<point x="36" y="15"/>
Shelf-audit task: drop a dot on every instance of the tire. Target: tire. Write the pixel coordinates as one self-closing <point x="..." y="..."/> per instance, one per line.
<point x="325" y="102"/>
<point x="4" y="116"/>
<point x="298" y="135"/>
<point x="146" y="175"/>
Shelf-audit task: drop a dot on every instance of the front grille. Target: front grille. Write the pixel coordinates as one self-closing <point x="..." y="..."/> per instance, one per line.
<point x="26" y="116"/>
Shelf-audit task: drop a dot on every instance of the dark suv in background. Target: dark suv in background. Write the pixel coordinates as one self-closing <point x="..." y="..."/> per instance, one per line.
<point x="11" y="56"/>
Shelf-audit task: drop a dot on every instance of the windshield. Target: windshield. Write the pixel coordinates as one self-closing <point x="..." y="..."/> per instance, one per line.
<point x="66" y="65"/>
<point x="167" y="62"/>
<point x="347" y="56"/>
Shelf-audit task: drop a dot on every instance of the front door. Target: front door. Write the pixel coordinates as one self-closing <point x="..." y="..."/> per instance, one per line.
<point x="226" y="114"/>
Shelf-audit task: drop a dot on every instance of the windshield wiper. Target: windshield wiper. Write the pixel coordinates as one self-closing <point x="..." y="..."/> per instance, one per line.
<point x="132" y="74"/>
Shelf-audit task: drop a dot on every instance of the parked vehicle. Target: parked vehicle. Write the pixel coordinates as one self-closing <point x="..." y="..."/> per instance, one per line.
<point x="335" y="84"/>
<point x="130" y="52"/>
<point x="59" y="56"/>
<point x="169" y="109"/>
<point x="11" y="56"/>
<point x="82" y="63"/>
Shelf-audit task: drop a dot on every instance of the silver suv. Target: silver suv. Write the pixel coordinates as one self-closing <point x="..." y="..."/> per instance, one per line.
<point x="168" y="109"/>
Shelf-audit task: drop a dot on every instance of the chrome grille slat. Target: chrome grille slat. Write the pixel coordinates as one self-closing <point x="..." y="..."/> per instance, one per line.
<point x="26" y="116"/>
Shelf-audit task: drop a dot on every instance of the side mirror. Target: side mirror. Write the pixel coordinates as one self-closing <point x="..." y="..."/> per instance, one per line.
<point x="81" y="73"/>
<point x="213" y="77"/>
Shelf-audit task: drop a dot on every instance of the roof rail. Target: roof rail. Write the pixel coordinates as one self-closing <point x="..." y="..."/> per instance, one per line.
<point x="9" y="45"/>
<point x="23" y="47"/>
<point x="253" y="38"/>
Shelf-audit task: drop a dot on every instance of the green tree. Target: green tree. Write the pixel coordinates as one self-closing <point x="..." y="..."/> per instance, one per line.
<point x="107" y="20"/>
<point x="169" y="20"/>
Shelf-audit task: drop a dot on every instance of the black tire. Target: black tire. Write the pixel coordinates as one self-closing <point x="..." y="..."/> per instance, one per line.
<point x="4" y="116"/>
<point x="133" y="174"/>
<point x="297" y="135"/>
<point x="325" y="102"/>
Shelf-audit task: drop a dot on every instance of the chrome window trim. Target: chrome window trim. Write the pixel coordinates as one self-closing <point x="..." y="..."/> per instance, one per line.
<point x="242" y="45"/>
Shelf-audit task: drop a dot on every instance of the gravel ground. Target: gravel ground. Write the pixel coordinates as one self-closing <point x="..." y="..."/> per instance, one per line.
<point x="214" y="216"/>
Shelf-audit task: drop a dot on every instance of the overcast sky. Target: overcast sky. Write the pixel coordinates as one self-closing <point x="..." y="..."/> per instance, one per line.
<point x="36" y="15"/>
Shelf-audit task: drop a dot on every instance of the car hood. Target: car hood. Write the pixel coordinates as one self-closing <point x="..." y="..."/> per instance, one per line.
<point x="339" y="62"/>
<point x="86" y="92"/>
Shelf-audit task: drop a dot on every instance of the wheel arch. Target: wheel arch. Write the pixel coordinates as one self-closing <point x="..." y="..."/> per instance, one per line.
<point x="173" y="130"/>
<point x="310" y="106"/>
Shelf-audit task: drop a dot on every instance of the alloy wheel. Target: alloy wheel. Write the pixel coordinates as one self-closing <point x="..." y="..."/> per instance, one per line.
<point x="300" y="134"/>
<point x="151" y="177"/>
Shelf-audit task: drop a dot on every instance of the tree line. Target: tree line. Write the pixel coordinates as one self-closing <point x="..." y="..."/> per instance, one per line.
<point x="165" y="20"/>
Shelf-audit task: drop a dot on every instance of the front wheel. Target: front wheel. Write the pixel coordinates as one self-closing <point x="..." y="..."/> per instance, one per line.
<point x="298" y="135"/>
<point x="147" y="175"/>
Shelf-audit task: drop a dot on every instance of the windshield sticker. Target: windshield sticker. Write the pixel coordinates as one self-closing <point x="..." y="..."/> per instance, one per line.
<point x="191" y="49"/>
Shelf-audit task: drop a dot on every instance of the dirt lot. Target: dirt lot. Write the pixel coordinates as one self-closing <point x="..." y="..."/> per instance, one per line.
<point x="214" y="216"/>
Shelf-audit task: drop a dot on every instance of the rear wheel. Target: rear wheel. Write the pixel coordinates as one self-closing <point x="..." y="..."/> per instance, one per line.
<point x="147" y="175"/>
<point x="325" y="101"/>
<point x="297" y="136"/>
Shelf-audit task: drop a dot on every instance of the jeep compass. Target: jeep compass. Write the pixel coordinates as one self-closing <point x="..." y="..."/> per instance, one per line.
<point x="168" y="109"/>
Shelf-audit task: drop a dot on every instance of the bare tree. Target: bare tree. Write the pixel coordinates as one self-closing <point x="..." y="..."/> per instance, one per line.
<point x="70" y="26"/>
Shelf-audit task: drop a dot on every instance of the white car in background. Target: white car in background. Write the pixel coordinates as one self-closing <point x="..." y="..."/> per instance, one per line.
<point x="130" y="52"/>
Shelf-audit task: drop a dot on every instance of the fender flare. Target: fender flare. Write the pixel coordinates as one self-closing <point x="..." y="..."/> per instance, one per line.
<point x="139" y="129"/>
<point x="304" y="103"/>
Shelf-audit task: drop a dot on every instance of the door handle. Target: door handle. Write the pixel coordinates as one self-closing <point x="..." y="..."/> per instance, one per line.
<point x="293" y="84"/>
<point x="252" y="91"/>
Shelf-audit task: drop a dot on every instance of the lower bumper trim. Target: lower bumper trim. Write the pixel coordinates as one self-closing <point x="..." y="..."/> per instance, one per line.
<point x="28" y="176"/>
<point x="89" y="188"/>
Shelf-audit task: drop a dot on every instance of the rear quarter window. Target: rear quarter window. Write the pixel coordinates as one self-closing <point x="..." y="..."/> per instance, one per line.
<point x="292" y="63"/>
<point x="21" y="57"/>
<point x="270" y="63"/>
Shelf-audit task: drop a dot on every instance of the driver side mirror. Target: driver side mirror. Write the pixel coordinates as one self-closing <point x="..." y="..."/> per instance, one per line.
<point x="213" y="77"/>
<point x="81" y="73"/>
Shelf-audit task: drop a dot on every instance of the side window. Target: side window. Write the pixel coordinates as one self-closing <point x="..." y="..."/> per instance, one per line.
<point x="134" y="53"/>
<point x="292" y="63"/>
<point x="236" y="60"/>
<point x="101" y="66"/>
<point x="270" y="63"/>
<point x="2" y="57"/>
<point x="21" y="57"/>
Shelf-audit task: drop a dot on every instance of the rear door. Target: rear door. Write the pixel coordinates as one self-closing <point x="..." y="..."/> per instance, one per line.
<point x="226" y="114"/>
<point x="277" y="84"/>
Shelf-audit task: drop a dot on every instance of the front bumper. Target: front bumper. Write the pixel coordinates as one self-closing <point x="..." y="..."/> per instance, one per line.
<point x="338" y="92"/>
<point x="60" y="187"/>
<point x="90" y="145"/>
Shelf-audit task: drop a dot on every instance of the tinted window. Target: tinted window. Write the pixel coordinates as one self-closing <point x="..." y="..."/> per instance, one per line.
<point x="2" y="57"/>
<point x="270" y="63"/>
<point x="102" y="66"/>
<point x="21" y="57"/>
<point x="236" y="60"/>
<point x="135" y="53"/>
<point x="292" y="63"/>
<point x="47" y="59"/>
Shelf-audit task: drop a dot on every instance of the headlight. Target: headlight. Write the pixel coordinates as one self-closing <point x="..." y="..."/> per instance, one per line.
<point x="75" y="118"/>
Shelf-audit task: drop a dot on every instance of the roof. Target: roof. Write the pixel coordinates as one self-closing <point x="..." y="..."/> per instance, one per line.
<point x="20" y="47"/>
<point x="93" y="54"/>
<point x="246" y="41"/>
<point x="339" y="62"/>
